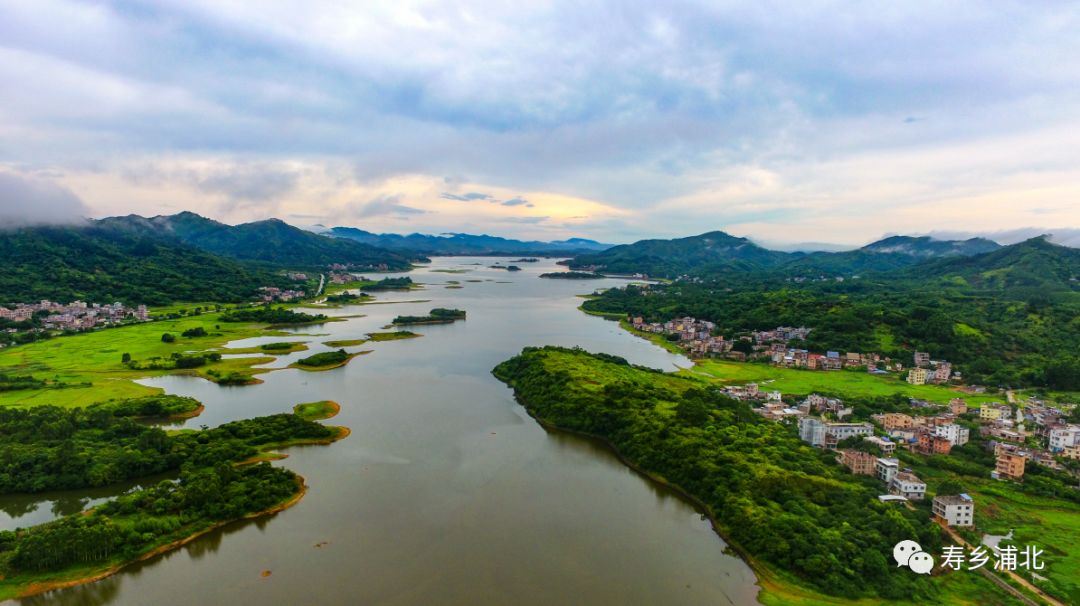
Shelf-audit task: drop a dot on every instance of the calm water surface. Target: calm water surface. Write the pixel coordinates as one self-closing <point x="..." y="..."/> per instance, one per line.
<point x="446" y="492"/>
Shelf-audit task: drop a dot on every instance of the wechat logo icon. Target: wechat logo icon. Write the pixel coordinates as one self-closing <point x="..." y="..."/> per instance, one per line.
<point x="910" y="554"/>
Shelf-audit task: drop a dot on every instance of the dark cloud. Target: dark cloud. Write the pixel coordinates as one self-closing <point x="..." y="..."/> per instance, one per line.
<point x="385" y="205"/>
<point x="519" y="201"/>
<point x="469" y="197"/>
<point x="31" y="201"/>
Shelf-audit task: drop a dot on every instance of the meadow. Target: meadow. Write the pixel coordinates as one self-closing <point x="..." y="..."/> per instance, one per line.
<point x="96" y="358"/>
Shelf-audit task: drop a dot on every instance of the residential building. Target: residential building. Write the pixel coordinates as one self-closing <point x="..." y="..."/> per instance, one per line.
<point x="917" y="376"/>
<point x="895" y="420"/>
<point x="886" y="469"/>
<point x="955" y="510"/>
<point x="958" y="406"/>
<point x="819" y="433"/>
<point x="958" y="435"/>
<point x="1064" y="436"/>
<point x="1010" y="466"/>
<point x="932" y="444"/>
<point x="993" y="412"/>
<point x="922" y="359"/>
<point x="908" y="485"/>
<point x="860" y="463"/>
<point x="886" y="445"/>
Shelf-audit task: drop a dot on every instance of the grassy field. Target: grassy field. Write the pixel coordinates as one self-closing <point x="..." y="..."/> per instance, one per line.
<point x="803" y="382"/>
<point x="95" y="357"/>
<point x="345" y="343"/>
<point x="841" y="382"/>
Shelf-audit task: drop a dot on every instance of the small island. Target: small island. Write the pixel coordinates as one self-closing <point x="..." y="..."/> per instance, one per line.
<point x="326" y="360"/>
<point x="394" y="335"/>
<point x="276" y="316"/>
<point x="572" y="275"/>
<point x="526" y="260"/>
<point x="438" y="315"/>
<point x="506" y="267"/>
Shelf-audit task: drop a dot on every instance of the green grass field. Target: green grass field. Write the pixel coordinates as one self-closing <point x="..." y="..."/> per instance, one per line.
<point x="841" y="382"/>
<point x="803" y="382"/>
<point x="95" y="357"/>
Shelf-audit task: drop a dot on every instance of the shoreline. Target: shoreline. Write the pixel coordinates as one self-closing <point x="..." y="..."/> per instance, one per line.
<point x="43" y="587"/>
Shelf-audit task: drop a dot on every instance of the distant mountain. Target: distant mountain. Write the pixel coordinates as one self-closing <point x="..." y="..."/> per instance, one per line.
<point x="1035" y="266"/>
<point x="465" y="244"/>
<point x="926" y="246"/>
<point x="717" y="251"/>
<point x="99" y="264"/>
<point x="710" y="252"/>
<point x="270" y="241"/>
<point x="895" y="252"/>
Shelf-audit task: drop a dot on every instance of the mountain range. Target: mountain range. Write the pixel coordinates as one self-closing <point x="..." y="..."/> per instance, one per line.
<point x="718" y="251"/>
<point x="270" y="241"/>
<point x="465" y="244"/>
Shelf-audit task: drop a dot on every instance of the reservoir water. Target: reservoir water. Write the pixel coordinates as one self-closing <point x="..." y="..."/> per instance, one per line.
<point x="446" y="492"/>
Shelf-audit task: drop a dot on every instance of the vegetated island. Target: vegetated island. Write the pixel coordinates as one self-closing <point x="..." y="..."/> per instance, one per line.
<point x="775" y="499"/>
<point x="347" y="298"/>
<point x="439" y="315"/>
<point x="326" y="360"/>
<point x="274" y="316"/>
<point x="222" y="478"/>
<point x="506" y="267"/>
<point x="526" y="260"/>
<point x="393" y="335"/>
<point x="572" y="275"/>
<point x="403" y="283"/>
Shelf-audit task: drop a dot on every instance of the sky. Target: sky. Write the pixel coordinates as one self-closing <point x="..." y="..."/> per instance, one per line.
<point x="788" y="122"/>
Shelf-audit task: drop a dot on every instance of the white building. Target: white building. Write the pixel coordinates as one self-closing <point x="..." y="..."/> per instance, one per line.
<point x="816" y="432"/>
<point x="1064" y="437"/>
<point x="955" y="510"/>
<point x="908" y="485"/>
<point x="887" y="469"/>
<point x="958" y="435"/>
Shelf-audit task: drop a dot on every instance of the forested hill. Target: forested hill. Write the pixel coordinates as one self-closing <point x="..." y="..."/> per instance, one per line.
<point x="95" y="264"/>
<point x="271" y="241"/>
<point x="466" y="244"/>
<point x="710" y="252"/>
<point x="717" y="252"/>
<point x="1027" y="268"/>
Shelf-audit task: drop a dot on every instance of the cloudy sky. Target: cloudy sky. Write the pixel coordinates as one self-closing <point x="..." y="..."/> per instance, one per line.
<point x="789" y="122"/>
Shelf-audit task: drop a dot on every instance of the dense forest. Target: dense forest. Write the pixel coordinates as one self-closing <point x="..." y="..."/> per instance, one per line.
<point x="100" y="265"/>
<point x="786" y="503"/>
<point x="128" y="526"/>
<point x="51" y="448"/>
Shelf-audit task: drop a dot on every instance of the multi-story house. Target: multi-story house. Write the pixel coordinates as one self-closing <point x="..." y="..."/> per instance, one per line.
<point x="957" y="435"/>
<point x="908" y="485"/>
<point x="860" y="463"/>
<point x="955" y="510"/>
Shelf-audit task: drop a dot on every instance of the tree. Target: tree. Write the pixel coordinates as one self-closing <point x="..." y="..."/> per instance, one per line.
<point x="168" y="338"/>
<point x="950" y="487"/>
<point x="126" y="358"/>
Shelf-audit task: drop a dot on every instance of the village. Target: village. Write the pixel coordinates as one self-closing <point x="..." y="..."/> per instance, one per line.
<point x="48" y="315"/>
<point x="1032" y="434"/>
<point x="698" y="339"/>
